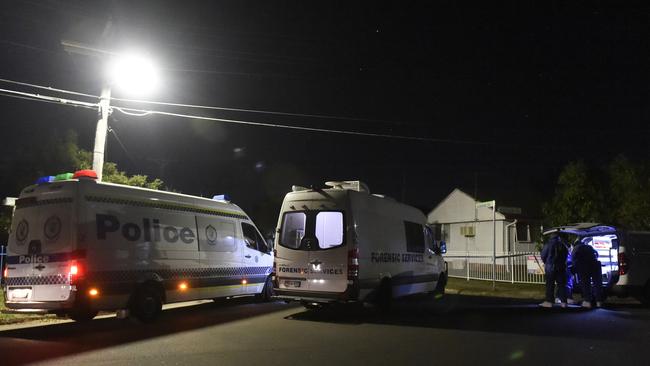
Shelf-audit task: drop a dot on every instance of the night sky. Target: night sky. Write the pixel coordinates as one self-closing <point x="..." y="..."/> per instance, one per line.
<point x="513" y="92"/>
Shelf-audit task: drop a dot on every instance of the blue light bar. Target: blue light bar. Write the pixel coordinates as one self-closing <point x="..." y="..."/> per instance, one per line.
<point x="221" y="197"/>
<point x="45" y="179"/>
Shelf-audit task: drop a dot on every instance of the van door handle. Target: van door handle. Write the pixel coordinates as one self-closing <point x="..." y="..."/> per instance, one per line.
<point x="247" y="256"/>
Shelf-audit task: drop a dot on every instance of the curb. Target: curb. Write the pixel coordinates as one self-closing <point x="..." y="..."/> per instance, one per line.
<point x="510" y="295"/>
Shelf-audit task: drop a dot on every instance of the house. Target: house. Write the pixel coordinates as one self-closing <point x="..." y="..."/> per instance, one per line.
<point x="468" y="228"/>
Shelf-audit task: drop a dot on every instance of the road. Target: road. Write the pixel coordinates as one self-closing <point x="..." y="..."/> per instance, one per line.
<point x="456" y="330"/>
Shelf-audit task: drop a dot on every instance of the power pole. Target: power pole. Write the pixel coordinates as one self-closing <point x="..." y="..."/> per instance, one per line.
<point x="101" y="131"/>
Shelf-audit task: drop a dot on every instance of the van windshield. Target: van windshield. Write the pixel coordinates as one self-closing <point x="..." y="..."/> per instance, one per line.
<point x="325" y="226"/>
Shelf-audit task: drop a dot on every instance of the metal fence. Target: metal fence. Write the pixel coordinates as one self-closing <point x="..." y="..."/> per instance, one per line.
<point x="514" y="267"/>
<point x="3" y="255"/>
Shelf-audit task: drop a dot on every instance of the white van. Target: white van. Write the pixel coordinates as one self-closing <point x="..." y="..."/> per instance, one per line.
<point x="343" y="244"/>
<point x="624" y="257"/>
<point x="78" y="246"/>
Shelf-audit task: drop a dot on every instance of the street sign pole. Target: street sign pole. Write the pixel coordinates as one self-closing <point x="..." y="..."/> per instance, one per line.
<point x="492" y="204"/>
<point x="494" y="245"/>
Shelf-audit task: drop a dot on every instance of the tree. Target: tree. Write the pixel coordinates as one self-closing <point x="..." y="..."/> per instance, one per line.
<point x="629" y="194"/>
<point x="112" y="174"/>
<point x="51" y="154"/>
<point x="578" y="197"/>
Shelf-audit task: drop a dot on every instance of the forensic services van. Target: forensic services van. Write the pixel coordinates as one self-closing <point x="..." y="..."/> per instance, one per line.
<point x="78" y="246"/>
<point x="344" y="244"/>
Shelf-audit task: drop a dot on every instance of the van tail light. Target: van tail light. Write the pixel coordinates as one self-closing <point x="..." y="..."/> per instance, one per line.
<point x="623" y="265"/>
<point x="74" y="272"/>
<point x="5" y="273"/>
<point x="353" y="264"/>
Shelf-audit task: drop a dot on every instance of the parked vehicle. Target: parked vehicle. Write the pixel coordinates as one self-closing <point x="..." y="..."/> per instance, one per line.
<point x="343" y="244"/>
<point x="624" y="257"/>
<point x="78" y="246"/>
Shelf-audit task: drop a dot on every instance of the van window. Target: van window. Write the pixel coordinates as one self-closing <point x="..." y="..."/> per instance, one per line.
<point x="329" y="229"/>
<point x="216" y="235"/>
<point x="414" y="237"/>
<point x="293" y="229"/>
<point x="253" y="239"/>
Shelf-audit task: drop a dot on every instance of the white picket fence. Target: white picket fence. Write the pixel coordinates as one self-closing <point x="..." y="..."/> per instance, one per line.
<point x="524" y="267"/>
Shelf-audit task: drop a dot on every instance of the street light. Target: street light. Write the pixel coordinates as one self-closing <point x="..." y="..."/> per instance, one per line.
<point x="135" y="75"/>
<point x="132" y="73"/>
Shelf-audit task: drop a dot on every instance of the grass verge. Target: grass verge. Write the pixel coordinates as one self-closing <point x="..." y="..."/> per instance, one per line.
<point x="503" y="289"/>
<point x="20" y="318"/>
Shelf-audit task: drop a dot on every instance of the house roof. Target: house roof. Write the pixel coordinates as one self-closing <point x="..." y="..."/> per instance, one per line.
<point x="510" y="215"/>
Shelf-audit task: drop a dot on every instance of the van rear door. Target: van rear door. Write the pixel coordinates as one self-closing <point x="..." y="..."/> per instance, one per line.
<point x="328" y="253"/>
<point x="41" y="247"/>
<point x="291" y="258"/>
<point x="312" y="254"/>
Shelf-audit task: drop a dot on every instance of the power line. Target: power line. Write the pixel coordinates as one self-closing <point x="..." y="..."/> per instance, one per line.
<point x="112" y="130"/>
<point x="32" y="96"/>
<point x="49" y="88"/>
<point x="42" y="100"/>
<point x="300" y="128"/>
<point x="142" y="101"/>
<point x="321" y="116"/>
<point x="144" y="112"/>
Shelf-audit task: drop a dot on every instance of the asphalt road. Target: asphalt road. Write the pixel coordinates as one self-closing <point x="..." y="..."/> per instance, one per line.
<point x="456" y="330"/>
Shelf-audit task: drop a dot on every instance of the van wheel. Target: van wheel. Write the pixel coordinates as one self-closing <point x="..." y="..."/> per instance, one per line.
<point x="384" y="298"/>
<point x="267" y="292"/>
<point x="146" y="304"/>
<point x="82" y="314"/>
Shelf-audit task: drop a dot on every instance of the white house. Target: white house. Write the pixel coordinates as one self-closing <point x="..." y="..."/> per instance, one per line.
<point x="467" y="229"/>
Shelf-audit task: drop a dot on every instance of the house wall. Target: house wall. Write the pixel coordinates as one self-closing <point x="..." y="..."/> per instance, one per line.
<point x="481" y="243"/>
<point x="458" y="210"/>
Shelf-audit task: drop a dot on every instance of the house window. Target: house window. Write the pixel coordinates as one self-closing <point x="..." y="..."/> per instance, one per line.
<point x="523" y="232"/>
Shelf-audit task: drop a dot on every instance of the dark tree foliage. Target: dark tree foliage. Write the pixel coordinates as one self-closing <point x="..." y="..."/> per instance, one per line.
<point x="622" y="198"/>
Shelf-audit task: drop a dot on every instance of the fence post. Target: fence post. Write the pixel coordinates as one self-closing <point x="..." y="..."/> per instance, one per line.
<point x="494" y="246"/>
<point x="512" y="269"/>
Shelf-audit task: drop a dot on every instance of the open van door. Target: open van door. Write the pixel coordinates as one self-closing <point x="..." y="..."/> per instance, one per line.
<point x="604" y="239"/>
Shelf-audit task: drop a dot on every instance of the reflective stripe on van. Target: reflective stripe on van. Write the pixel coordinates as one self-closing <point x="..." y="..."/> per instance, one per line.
<point x="33" y="202"/>
<point x="37" y="280"/>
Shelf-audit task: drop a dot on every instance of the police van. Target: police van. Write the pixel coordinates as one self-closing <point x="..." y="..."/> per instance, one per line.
<point x="78" y="246"/>
<point x="344" y="244"/>
<point x="624" y="257"/>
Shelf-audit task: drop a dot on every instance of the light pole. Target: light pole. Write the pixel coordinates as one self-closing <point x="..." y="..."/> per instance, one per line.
<point x="101" y="131"/>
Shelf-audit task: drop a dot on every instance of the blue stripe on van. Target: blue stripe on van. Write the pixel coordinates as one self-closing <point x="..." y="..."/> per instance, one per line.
<point x="45" y="258"/>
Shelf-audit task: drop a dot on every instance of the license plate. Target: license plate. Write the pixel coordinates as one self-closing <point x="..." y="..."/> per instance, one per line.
<point x="20" y="294"/>
<point x="291" y="283"/>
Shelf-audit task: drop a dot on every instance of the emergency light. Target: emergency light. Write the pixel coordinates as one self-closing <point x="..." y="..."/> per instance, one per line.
<point x="45" y="179"/>
<point x="221" y="197"/>
<point x="85" y="173"/>
<point x="62" y="176"/>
